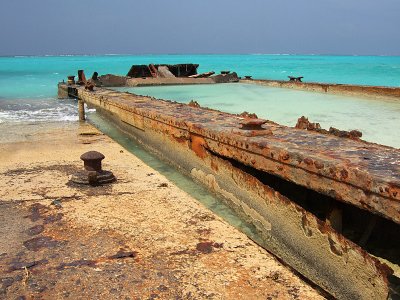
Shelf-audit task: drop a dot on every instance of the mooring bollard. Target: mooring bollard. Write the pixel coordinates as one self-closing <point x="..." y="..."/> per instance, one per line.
<point x="93" y="174"/>
<point x="81" y="110"/>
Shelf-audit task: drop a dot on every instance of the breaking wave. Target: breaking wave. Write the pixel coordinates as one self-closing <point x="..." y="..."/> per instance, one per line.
<point x="33" y="110"/>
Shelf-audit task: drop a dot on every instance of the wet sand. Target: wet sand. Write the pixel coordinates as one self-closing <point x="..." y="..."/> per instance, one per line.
<point x="139" y="238"/>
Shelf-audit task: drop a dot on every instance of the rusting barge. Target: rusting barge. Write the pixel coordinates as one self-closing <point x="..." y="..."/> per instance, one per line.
<point x="377" y="92"/>
<point x="147" y="75"/>
<point x="323" y="204"/>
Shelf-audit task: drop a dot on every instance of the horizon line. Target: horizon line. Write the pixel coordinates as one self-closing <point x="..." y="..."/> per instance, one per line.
<point x="182" y="54"/>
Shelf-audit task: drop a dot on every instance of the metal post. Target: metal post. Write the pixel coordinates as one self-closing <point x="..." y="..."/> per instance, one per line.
<point x="81" y="110"/>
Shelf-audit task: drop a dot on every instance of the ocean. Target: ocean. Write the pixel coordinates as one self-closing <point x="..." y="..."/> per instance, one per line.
<point x="28" y="87"/>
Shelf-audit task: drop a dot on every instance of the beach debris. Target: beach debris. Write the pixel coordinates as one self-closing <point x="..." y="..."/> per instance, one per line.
<point x="71" y="80"/>
<point x="304" y="123"/>
<point x="295" y="79"/>
<point x="248" y="115"/>
<point x="248" y="77"/>
<point x="26" y="276"/>
<point x="56" y="203"/>
<point x="193" y="103"/>
<point x="93" y="174"/>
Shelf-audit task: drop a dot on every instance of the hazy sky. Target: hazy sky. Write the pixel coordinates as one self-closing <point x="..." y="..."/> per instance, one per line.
<point x="201" y="26"/>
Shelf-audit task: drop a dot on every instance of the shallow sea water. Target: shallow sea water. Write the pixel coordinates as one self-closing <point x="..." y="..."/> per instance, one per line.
<point x="378" y="120"/>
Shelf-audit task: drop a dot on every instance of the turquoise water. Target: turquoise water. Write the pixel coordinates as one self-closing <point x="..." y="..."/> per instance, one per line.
<point x="36" y="77"/>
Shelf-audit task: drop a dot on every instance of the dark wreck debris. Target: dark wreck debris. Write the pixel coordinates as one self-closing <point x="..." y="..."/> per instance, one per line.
<point x="155" y="75"/>
<point x="193" y="103"/>
<point x="95" y="76"/>
<point x="295" y="79"/>
<point x="71" y="79"/>
<point x="81" y="78"/>
<point x="93" y="174"/>
<point x="311" y="195"/>
<point x="179" y="70"/>
<point x="89" y="86"/>
<point x="248" y="115"/>
<point x="352" y="134"/>
<point x="304" y="123"/>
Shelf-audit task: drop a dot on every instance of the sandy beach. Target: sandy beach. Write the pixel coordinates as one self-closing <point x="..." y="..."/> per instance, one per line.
<point x="139" y="238"/>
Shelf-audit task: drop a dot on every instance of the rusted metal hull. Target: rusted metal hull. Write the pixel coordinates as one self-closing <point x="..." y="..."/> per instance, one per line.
<point x="331" y="88"/>
<point x="202" y="143"/>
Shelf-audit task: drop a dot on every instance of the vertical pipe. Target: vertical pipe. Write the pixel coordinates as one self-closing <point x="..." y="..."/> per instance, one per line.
<point x="81" y="110"/>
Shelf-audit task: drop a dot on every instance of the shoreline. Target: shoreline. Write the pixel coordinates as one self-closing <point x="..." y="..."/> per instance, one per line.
<point x="140" y="236"/>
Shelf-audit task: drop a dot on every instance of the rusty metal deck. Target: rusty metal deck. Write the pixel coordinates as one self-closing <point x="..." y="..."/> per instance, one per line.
<point x="360" y="173"/>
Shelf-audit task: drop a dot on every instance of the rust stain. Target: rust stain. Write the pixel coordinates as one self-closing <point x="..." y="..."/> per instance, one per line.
<point x="197" y="145"/>
<point x="37" y="243"/>
<point x="207" y="247"/>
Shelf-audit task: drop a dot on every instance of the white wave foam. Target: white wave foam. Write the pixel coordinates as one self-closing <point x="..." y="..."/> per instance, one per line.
<point x="44" y="112"/>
